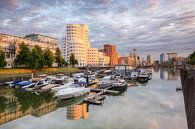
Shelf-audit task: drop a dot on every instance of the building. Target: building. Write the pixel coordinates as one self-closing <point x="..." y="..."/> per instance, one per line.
<point x="162" y="58"/>
<point x="76" y="42"/>
<point x="10" y="44"/>
<point x="110" y="51"/>
<point x="92" y="57"/>
<point x="103" y="59"/>
<point x="149" y="60"/>
<point x="179" y="61"/>
<point x="171" y="57"/>
<point x="128" y="60"/>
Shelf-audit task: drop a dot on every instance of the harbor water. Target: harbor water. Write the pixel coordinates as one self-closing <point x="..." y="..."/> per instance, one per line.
<point x="152" y="105"/>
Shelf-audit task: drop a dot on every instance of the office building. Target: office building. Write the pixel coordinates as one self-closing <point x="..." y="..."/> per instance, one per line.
<point x="76" y="42"/>
<point x="111" y="51"/>
<point x="10" y="44"/>
<point x="149" y="60"/>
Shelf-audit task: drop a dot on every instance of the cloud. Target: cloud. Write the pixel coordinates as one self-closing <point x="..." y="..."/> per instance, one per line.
<point x="147" y="25"/>
<point x="152" y="5"/>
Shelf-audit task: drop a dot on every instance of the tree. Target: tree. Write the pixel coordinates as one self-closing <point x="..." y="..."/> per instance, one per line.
<point x="2" y="59"/>
<point x="58" y="58"/>
<point x="36" y="58"/>
<point x="73" y="60"/>
<point x="191" y="58"/>
<point x="48" y="57"/>
<point x="23" y="56"/>
<point x="64" y="63"/>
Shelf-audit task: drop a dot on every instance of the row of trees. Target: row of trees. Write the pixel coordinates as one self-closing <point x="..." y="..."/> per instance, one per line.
<point x="2" y="59"/>
<point x="37" y="58"/>
<point x="191" y="59"/>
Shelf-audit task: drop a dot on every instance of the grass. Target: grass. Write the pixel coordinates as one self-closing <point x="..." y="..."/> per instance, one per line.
<point x="19" y="72"/>
<point x="43" y="70"/>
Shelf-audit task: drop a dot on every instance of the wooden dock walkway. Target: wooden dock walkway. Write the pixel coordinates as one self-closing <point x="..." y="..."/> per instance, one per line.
<point x="99" y="96"/>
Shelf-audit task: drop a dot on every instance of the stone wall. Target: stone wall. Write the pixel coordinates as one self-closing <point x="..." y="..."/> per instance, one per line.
<point x="188" y="86"/>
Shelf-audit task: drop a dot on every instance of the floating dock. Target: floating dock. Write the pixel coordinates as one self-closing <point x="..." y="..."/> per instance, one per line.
<point x="97" y="98"/>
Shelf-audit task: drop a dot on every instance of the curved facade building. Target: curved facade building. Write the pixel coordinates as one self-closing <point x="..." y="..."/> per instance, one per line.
<point x="76" y="42"/>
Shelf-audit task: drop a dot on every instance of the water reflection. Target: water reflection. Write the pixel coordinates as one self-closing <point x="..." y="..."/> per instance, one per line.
<point x="77" y="111"/>
<point x="169" y="74"/>
<point x="15" y="104"/>
<point x="145" y="106"/>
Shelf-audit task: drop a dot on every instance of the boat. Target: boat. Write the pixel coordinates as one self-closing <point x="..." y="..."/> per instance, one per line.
<point x="60" y="79"/>
<point x="48" y="87"/>
<point x="143" y="76"/>
<point x="76" y="76"/>
<point x="56" y="89"/>
<point x="105" y="82"/>
<point x="12" y="83"/>
<point x="24" y="84"/>
<point x="134" y="75"/>
<point x="71" y="92"/>
<point x="83" y="81"/>
<point x="119" y="85"/>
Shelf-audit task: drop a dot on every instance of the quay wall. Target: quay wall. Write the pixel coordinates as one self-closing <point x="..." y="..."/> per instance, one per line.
<point x="188" y="86"/>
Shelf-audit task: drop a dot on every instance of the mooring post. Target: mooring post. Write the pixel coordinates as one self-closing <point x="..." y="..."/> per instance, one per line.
<point x="87" y="78"/>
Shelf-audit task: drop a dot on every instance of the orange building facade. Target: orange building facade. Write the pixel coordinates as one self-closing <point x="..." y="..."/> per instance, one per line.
<point x="111" y="51"/>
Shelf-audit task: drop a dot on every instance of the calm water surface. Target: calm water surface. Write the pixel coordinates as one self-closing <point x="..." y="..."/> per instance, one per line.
<point x="155" y="105"/>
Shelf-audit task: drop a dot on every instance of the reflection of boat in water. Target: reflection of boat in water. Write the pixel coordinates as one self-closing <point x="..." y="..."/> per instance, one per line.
<point x="77" y="111"/>
<point x="68" y="102"/>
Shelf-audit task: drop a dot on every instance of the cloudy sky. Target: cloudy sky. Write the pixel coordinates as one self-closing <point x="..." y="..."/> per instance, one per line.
<point x="150" y="26"/>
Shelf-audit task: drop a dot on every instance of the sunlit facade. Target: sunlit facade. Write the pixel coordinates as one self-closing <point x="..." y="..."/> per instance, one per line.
<point x="10" y="44"/>
<point x="103" y="59"/>
<point x="76" y="42"/>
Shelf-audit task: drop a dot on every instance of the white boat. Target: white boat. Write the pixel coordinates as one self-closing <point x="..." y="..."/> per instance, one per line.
<point x="134" y="75"/>
<point x="56" y="89"/>
<point x="60" y="79"/>
<point x="143" y="76"/>
<point x="76" y="76"/>
<point x="72" y="92"/>
<point x="48" y="87"/>
<point x="105" y="82"/>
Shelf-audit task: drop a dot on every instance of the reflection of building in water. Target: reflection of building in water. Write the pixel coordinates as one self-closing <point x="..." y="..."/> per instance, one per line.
<point x="44" y="109"/>
<point x="76" y="112"/>
<point x="13" y="110"/>
<point x="172" y="74"/>
<point x="163" y="74"/>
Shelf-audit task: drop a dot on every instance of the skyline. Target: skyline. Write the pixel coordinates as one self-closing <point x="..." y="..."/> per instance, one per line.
<point x="146" y="25"/>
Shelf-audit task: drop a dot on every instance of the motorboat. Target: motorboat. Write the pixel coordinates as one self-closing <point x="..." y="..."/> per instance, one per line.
<point x="72" y="92"/>
<point x="119" y="85"/>
<point x="143" y="76"/>
<point x="37" y="85"/>
<point x="105" y="82"/>
<point x="83" y="81"/>
<point x="134" y="75"/>
<point x="76" y="76"/>
<point x="60" y="79"/>
<point x="24" y="84"/>
<point x="48" y="87"/>
<point x="56" y="89"/>
<point x="12" y="83"/>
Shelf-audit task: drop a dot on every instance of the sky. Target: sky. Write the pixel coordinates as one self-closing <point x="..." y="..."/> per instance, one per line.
<point x="150" y="26"/>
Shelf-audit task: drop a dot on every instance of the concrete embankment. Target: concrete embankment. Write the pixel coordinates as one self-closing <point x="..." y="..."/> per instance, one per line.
<point x="188" y="86"/>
